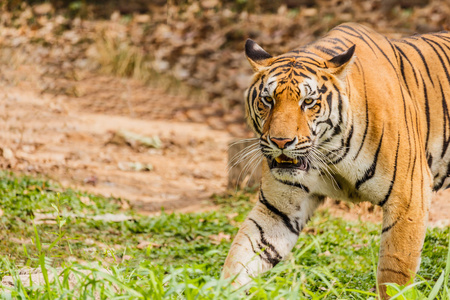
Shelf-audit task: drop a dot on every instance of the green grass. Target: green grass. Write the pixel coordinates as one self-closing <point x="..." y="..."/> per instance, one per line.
<point x="182" y="259"/>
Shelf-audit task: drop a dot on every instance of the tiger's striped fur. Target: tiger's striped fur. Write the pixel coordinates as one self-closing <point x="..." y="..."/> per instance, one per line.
<point x="357" y="117"/>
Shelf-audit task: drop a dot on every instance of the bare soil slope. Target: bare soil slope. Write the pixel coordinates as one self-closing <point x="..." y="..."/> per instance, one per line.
<point x="46" y="135"/>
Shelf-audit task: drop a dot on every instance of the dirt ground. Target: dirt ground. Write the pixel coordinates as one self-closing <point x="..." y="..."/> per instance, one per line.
<point x="75" y="140"/>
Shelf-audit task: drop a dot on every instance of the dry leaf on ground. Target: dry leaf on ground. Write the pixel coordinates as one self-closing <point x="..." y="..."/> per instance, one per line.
<point x="217" y="239"/>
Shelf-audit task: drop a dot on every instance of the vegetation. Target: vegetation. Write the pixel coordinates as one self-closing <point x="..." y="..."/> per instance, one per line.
<point x="86" y="248"/>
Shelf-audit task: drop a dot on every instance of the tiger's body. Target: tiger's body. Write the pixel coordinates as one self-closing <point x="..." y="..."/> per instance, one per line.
<point x="353" y="116"/>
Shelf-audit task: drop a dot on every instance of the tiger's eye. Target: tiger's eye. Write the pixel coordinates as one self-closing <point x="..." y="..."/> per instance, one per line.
<point x="268" y="101"/>
<point x="308" y="101"/>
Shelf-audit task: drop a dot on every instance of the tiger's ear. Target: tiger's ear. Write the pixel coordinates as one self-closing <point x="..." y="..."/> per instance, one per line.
<point x="338" y="64"/>
<point x="257" y="56"/>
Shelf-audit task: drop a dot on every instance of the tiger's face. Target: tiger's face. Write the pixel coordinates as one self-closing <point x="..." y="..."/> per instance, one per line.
<point x="297" y="105"/>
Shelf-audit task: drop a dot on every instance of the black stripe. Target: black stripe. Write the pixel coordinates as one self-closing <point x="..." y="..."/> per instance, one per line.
<point x="326" y="50"/>
<point x="251" y="99"/>
<point x="339" y="41"/>
<point x="394" y="271"/>
<point x="268" y="256"/>
<point x="286" y="66"/>
<point x="429" y="160"/>
<point x="299" y="74"/>
<point x="442" y="37"/>
<point x="323" y="89"/>
<point x="346" y="146"/>
<point x="414" y="163"/>
<point x="428" y="41"/>
<point x="310" y="70"/>
<point x="272" y="260"/>
<point x="394" y="257"/>
<point x="446" y="46"/>
<point x="283" y="59"/>
<point x="427" y="111"/>
<point x="329" y="99"/>
<point x="370" y="172"/>
<point x="402" y="69"/>
<point x="327" y="121"/>
<point x="337" y="128"/>
<point x="407" y="127"/>
<point x="330" y="103"/>
<point x="275" y="210"/>
<point x="297" y="226"/>
<point x="296" y="184"/>
<point x="357" y="35"/>
<point x="421" y="56"/>
<point x="339" y="105"/>
<point x="279" y="90"/>
<point x="317" y="63"/>
<point x="277" y="74"/>
<point x="383" y="202"/>
<point x="366" y="129"/>
<point x="446" y="123"/>
<point x="407" y="59"/>
<point x="439" y="185"/>
<point x="381" y="50"/>
<point x="446" y="117"/>
<point x="251" y="243"/>
<point x="331" y="40"/>
<point x="386" y="229"/>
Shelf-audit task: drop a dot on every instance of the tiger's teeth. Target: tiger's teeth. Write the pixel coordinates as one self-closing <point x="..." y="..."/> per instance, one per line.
<point x="286" y="161"/>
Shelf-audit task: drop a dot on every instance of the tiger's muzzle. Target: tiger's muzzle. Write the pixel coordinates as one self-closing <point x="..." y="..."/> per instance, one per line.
<point x="288" y="154"/>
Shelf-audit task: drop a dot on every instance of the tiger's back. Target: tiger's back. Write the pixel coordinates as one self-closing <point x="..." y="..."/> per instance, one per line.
<point x="425" y="63"/>
<point x="401" y="85"/>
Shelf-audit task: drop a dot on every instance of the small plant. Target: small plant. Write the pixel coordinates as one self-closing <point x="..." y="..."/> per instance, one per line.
<point x="120" y="57"/>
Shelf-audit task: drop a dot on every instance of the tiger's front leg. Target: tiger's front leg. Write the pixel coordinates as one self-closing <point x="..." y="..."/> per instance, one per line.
<point x="270" y="231"/>
<point x="402" y="236"/>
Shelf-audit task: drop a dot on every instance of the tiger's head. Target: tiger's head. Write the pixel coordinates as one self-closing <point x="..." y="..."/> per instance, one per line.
<point x="298" y="106"/>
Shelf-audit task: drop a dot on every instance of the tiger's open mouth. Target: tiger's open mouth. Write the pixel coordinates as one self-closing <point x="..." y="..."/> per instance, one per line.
<point x="285" y="162"/>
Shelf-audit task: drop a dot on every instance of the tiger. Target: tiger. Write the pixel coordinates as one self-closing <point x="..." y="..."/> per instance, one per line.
<point x="352" y="116"/>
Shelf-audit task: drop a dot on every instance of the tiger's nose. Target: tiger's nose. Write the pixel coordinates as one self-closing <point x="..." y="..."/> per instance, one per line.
<point x="281" y="142"/>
